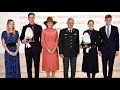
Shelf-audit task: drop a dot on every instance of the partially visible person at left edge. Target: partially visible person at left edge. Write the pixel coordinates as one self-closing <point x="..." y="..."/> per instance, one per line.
<point x="11" y="42"/>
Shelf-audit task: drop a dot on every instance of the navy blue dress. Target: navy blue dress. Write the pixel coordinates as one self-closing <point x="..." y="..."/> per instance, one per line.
<point x="12" y="65"/>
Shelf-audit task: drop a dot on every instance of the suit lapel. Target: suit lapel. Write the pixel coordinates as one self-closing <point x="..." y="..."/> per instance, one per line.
<point x="104" y="31"/>
<point x="111" y="31"/>
<point x="67" y="31"/>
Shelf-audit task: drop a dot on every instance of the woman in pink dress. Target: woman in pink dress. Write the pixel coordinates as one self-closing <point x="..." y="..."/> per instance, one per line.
<point x="49" y="43"/>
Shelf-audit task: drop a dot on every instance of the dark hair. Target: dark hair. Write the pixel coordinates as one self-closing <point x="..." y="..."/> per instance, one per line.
<point x="108" y="16"/>
<point x="31" y="14"/>
<point x="90" y="21"/>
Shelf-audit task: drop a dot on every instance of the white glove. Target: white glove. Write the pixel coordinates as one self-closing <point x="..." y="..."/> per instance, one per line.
<point x="87" y="50"/>
<point x="28" y="45"/>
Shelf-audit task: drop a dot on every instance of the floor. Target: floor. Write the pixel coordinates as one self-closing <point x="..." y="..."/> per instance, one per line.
<point x="59" y="73"/>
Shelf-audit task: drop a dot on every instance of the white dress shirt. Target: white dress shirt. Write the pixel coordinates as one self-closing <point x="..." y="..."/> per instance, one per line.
<point x="70" y="29"/>
<point x="109" y="29"/>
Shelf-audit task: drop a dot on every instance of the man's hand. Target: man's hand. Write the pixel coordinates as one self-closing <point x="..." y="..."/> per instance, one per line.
<point x="24" y="41"/>
<point x="61" y="55"/>
<point x="117" y="53"/>
<point x="99" y="53"/>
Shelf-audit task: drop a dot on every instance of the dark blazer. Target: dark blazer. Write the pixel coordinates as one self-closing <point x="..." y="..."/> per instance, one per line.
<point x="69" y="42"/>
<point x="111" y="44"/>
<point x="37" y="34"/>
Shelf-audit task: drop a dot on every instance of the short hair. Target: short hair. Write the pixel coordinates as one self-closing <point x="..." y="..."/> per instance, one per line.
<point x="108" y="16"/>
<point x="31" y="14"/>
<point x="90" y="21"/>
<point x="70" y="19"/>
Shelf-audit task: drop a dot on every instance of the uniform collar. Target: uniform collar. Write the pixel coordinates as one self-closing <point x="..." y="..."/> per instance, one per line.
<point x="70" y="29"/>
<point x="31" y="25"/>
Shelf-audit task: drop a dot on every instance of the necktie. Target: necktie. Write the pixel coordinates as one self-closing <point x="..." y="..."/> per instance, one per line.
<point x="70" y="31"/>
<point x="108" y="32"/>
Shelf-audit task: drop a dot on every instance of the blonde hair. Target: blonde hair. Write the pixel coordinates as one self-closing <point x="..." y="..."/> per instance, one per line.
<point x="8" y="30"/>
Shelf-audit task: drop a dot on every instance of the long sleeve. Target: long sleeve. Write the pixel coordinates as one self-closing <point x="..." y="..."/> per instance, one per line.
<point x="97" y="39"/>
<point x="56" y="41"/>
<point x="96" y="43"/>
<point x="43" y="43"/>
<point x="117" y="40"/>
<point x="82" y="40"/>
<point x="100" y="39"/>
<point x="17" y="35"/>
<point x="61" y="42"/>
<point x="40" y="35"/>
<point x="22" y="34"/>
<point x="78" y="43"/>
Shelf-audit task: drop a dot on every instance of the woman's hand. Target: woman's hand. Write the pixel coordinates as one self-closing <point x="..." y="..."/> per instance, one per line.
<point x="49" y="51"/>
<point x="53" y="51"/>
<point x="15" y="53"/>
<point x="11" y="53"/>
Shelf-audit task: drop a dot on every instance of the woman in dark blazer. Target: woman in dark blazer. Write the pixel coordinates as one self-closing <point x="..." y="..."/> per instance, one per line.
<point x="90" y="59"/>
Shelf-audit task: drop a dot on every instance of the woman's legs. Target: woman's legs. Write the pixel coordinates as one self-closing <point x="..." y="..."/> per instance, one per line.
<point x="88" y="75"/>
<point x="53" y="74"/>
<point x="93" y="75"/>
<point x="48" y="74"/>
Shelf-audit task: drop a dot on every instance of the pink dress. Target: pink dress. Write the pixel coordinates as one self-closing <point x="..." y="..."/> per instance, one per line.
<point x="49" y="40"/>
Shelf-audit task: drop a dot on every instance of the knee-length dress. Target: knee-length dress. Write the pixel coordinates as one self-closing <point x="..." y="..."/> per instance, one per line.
<point x="49" y="40"/>
<point x="12" y="65"/>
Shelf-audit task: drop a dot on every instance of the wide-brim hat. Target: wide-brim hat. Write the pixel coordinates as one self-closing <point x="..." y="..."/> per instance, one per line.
<point x="50" y="19"/>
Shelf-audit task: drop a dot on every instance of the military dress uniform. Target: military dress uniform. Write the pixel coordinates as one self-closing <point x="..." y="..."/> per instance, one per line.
<point x="69" y="47"/>
<point x="34" y="51"/>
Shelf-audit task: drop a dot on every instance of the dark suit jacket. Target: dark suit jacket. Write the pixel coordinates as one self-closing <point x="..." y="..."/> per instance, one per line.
<point x="69" y="42"/>
<point x="109" y="45"/>
<point x="37" y="34"/>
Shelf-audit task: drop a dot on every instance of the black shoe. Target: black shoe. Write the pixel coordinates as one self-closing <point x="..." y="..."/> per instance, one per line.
<point x="105" y="77"/>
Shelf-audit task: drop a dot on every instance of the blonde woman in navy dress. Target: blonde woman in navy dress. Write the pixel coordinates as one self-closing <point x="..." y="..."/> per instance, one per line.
<point x="11" y="43"/>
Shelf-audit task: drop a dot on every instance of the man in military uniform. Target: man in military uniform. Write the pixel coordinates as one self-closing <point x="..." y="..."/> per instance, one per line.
<point x="69" y="47"/>
<point x="32" y="53"/>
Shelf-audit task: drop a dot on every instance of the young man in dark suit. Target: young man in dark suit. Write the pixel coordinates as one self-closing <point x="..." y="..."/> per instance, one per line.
<point x="69" y="47"/>
<point x="34" y="51"/>
<point x="109" y="47"/>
